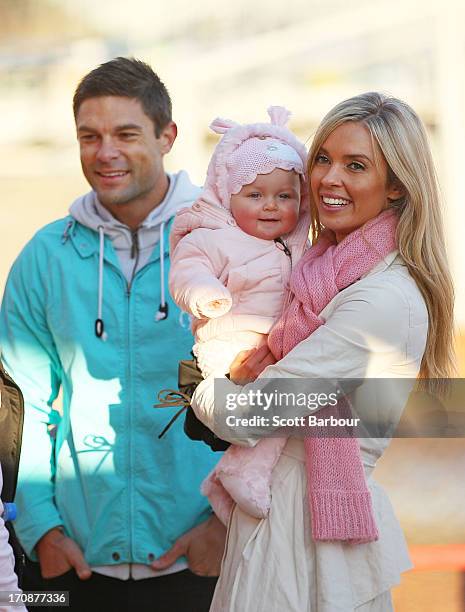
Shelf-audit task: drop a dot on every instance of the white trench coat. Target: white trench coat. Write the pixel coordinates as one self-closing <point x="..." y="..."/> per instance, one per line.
<point x="376" y="328"/>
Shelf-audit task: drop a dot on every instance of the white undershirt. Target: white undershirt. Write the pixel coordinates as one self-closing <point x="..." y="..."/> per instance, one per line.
<point x="137" y="571"/>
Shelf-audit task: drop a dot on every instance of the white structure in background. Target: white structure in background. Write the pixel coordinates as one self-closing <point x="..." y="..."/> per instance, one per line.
<point x="450" y="58"/>
<point x="236" y="58"/>
<point x="425" y="38"/>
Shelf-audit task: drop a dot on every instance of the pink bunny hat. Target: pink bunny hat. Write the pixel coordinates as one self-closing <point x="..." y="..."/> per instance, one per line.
<point x="251" y="149"/>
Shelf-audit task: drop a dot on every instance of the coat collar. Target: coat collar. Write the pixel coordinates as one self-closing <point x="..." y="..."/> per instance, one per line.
<point x="386" y="263"/>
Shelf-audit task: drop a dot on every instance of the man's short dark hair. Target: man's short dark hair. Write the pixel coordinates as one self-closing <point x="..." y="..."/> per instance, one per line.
<point x="130" y="78"/>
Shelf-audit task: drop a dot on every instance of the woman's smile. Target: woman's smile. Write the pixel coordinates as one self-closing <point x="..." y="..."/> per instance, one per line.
<point x="332" y="202"/>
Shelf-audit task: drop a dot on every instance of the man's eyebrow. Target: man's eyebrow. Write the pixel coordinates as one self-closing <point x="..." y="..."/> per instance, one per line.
<point x="119" y="128"/>
<point x="128" y="126"/>
<point x="85" y="128"/>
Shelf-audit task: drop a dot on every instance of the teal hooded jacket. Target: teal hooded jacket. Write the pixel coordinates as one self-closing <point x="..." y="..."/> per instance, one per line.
<point x="120" y="492"/>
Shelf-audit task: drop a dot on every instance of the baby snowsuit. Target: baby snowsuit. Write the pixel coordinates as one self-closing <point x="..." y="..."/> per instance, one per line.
<point x="234" y="285"/>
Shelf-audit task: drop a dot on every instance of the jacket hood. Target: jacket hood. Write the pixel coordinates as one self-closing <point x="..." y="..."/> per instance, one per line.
<point x="88" y="211"/>
<point x="133" y="248"/>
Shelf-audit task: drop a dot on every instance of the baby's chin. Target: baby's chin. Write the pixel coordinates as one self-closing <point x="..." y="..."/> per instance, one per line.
<point x="266" y="234"/>
<point x="267" y="230"/>
<point x="270" y="230"/>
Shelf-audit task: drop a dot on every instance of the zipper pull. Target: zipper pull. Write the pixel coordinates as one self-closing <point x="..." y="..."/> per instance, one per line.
<point x="135" y="244"/>
<point x="280" y="241"/>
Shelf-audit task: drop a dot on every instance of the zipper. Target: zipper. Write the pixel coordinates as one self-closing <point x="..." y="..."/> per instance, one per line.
<point x="283" y="244"/>
<point x="286" y="250"/>
<point x="135" y="253"/>
<point x="129" y="522"/>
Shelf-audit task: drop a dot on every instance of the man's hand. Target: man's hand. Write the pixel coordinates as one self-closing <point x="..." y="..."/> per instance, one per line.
<point x="249" y="364"/>
<point x="203" y="546"/>
<point x="58" y="554"/>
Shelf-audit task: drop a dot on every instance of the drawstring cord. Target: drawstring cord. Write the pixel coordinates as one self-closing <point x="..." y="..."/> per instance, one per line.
<point x="162" y="312"/>
<point x="99" y="325"/>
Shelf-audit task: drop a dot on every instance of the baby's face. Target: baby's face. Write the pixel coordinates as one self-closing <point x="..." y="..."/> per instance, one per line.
<point x="269" y="207"/>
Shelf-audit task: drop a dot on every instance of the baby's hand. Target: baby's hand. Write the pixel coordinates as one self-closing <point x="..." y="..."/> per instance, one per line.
<point x="215" y="308"/>
<point x="214" y="304"/>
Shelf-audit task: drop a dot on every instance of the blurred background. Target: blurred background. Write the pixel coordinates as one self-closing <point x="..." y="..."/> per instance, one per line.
<point x="235" y="59"/>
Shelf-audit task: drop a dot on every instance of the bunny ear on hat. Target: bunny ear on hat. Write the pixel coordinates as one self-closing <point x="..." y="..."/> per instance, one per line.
<point x="279" y="115"/>
<point x="221" y="126"/>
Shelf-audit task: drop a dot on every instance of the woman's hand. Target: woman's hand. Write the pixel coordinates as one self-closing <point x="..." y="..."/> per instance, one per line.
<point x="249" y="364"/>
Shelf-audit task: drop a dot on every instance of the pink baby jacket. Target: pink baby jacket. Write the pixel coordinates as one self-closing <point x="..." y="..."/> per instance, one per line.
<point x="233" y="284"/>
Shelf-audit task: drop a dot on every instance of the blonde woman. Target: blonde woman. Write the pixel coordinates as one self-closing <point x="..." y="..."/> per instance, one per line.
<point x="378" y="258"/>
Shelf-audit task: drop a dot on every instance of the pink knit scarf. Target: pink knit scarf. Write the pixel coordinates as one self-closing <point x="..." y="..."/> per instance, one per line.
<point x="339" y="498"/>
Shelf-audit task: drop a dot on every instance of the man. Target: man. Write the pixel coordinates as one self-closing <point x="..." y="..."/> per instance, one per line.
<point x="86" y="310"/>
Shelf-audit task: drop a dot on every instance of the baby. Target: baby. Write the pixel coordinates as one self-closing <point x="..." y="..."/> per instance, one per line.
<point x="232" y="255"/>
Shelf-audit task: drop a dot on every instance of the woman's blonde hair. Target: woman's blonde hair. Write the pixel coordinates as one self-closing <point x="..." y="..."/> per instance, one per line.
<point x="402" y="139"/>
